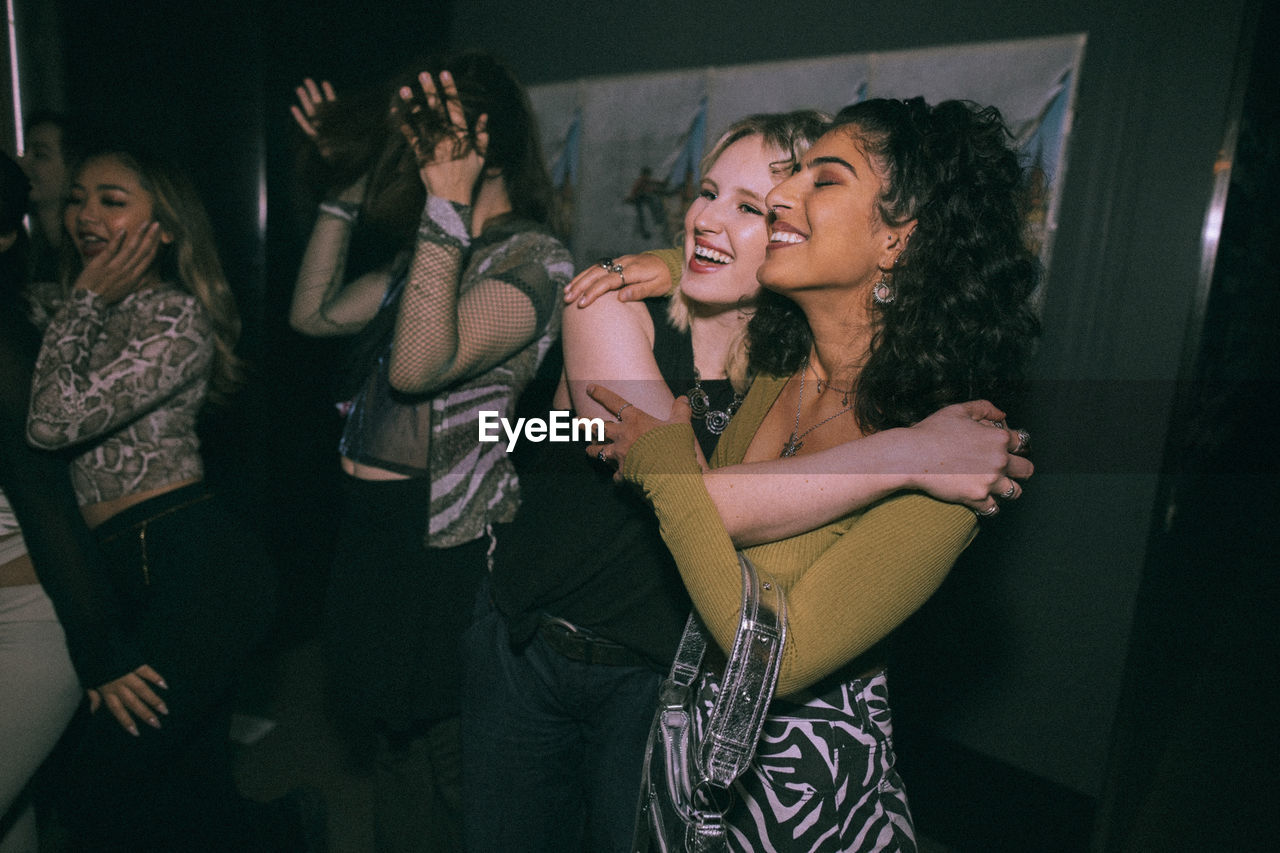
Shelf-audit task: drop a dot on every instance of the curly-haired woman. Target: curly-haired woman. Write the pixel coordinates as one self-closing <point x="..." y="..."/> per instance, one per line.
<point x="899" y="282"/>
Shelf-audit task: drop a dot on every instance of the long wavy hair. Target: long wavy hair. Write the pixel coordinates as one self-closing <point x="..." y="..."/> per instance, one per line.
<point x="362" y="133"/>
<point x="789" y="133"/>
<point x="960" y="325"/>
<point x="190" y="261"/>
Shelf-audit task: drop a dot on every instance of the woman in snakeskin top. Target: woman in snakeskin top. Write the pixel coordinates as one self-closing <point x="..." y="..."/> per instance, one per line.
<point x="142" y="340"/>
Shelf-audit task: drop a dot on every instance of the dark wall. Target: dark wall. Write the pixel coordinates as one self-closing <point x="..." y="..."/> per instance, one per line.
<point x="1021" y="657"/>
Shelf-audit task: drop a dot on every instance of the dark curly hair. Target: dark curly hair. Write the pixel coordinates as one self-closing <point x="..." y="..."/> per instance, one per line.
<point x="960" y="325"/>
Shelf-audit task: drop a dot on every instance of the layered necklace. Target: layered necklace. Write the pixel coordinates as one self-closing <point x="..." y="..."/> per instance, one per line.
<point x="700" y="405"/>
<point x="796" y="441"/>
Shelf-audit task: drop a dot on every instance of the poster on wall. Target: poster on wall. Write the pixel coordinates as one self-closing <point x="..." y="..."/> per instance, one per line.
<point x="624" y="150"/>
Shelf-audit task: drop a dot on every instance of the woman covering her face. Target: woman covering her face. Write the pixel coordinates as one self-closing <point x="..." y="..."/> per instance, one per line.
<point x="898" y="282"/>
<point x="457" y="310"/>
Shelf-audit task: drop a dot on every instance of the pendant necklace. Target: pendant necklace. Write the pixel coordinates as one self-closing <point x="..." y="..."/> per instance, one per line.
<point x="795" y="442"/>
<point x="700" y="405"/>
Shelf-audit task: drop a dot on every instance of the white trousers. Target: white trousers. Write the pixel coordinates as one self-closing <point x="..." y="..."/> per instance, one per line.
<point x="39" y="693"/>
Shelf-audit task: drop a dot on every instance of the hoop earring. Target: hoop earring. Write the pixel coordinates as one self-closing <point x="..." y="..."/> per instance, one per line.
<point x="882" y="293"/>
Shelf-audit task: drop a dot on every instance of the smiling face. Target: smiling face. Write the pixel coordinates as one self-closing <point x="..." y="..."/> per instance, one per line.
<point x="106" y="198"/>
<point x="827" y="229"/>
<point x="725" y="229"/>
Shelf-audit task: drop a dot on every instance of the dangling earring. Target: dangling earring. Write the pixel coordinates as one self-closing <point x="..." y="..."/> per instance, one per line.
<point x="882" y="293"/>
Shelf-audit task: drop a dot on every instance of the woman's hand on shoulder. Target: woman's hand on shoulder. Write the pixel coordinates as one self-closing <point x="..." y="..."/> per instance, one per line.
<point x="965" y="454"/>
<point x="123" y="264"/>
<point x="635" y="277"/>
<point x="130" y="696"/>
<point x="629" y="424"/>
<point x="449" y="162"/>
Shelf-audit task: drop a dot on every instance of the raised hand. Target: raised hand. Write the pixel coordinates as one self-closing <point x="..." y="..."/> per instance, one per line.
<point x="310" y="96"/>
<point x="450" y="156"/>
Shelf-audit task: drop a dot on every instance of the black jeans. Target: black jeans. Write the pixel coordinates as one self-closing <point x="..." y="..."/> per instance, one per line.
<point x="197" y="592"/>
<point x="552" y="748"/>
<point x="394" y="618"/>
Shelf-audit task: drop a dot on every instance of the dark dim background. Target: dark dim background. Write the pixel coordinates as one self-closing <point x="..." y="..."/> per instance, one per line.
<point x="1099" y="672"/>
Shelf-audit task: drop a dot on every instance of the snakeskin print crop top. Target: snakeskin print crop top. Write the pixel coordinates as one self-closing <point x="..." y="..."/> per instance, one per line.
<point x="123" y="384"/>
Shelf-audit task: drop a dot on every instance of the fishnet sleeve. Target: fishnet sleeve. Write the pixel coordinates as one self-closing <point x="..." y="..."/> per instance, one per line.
<point x="462" y="315"/>
<point x="38" y="486"/>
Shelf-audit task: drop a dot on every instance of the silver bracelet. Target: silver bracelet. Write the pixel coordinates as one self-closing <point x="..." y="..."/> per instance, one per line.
<point x="344" y="210"/>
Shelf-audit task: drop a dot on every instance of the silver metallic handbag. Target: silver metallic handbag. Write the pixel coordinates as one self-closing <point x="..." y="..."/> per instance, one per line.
<point x="687" y="779"/>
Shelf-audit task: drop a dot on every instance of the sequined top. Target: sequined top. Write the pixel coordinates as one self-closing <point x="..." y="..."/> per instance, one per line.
<point x="124" y="382"/>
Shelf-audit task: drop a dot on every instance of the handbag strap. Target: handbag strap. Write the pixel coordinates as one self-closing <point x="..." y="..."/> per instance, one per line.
<point x="695" y="779"/>
<point x="750" y="676"/>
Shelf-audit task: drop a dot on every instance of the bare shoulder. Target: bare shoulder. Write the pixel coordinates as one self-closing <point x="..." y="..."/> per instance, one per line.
<point x="607" y="316"/>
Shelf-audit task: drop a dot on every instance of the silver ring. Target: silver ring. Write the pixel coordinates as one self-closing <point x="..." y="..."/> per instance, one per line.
<point x="617" y="268"/>
<point x="998" y="424"/>
<point x="989" y="511"/>
<point x="625" y="406"/>
<point x="1024" y="441"/>
<point x="606" y="264"/>
<point x="600" y="456"/>
<point x="1009" y="492"/>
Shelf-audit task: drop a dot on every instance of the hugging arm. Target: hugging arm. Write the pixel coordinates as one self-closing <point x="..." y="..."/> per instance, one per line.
<point x="872" y="574"/>
<point x="954" y="455"/>
<point x="641" y="276"/>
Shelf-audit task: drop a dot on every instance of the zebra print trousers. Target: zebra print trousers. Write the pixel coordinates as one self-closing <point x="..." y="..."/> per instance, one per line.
<point x="823" y="778"/>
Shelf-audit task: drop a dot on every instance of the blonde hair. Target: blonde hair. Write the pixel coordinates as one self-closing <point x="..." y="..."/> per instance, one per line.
<point x="190" y="260"/>
<point x="789" y="133"/>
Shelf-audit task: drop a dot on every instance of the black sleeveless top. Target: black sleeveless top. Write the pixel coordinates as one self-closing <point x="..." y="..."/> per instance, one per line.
<point x="586" y="549"/>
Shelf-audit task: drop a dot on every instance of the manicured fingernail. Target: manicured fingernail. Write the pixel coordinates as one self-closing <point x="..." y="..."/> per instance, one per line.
<point x="133" y="730"/>
<point x="161" y="682"/>
<point x="446" y="77"/>
<point x="162" y="709"/>
<point x="153" y="722"/>
<point x="406" y="93"/>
